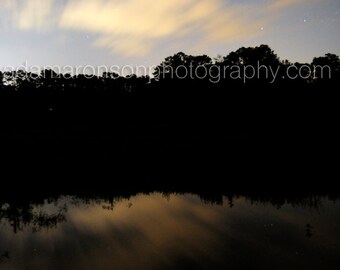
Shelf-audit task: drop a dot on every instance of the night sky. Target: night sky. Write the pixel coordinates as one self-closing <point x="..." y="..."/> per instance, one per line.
<point x="107" y="32"/>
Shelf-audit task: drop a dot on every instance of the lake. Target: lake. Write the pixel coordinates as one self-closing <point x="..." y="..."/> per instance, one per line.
<point x="170" y="231"/>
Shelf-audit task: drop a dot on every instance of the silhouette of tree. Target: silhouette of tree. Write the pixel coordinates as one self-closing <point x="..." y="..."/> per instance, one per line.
<point x="167" y="68"/>
<point x="177" y="66"/>
<point x="327" y="67"/>
<point x="262" y="55"/>
<point x="1" y="79"/>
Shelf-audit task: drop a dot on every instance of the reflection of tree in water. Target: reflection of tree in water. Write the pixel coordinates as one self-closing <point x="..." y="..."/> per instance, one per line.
<point x="20" y="216"/>
<point x="47" y="214"/>
<point x="43" y="220"/>
<point x="309" y="230"/>
<point x="4" y="256"/>
<point x="307" y="201"/>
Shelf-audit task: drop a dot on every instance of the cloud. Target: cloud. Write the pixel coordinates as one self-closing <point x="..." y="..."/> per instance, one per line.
<point x="133" y="27"/>
<point x="35" y="14"/>
<point x="27" y="14"/>
<point x="126" y="45"/>
<point x="136" y="27"/>
<point x="280" y="4"/>
<point x="7" y="13"/>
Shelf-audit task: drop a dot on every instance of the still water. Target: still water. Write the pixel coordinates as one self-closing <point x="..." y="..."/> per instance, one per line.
<point x="172" y="231"/>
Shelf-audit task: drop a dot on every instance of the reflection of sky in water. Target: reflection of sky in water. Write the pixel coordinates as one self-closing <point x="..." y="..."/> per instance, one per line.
<point x="178" y="231"/>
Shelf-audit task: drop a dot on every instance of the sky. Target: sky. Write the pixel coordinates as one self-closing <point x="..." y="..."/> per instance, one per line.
<point x="144" y="32"/>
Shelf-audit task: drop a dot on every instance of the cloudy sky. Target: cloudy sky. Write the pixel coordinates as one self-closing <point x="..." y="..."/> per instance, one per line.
<point x="107" y="32"/>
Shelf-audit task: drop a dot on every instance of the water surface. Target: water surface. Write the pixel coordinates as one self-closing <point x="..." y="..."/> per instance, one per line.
<point x="170" y="231"/>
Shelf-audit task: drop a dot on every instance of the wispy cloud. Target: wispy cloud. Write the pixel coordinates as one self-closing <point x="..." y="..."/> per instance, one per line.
<point x="280" y="4"/>
<point x="135" y="27"/>
<point x="28" y="14"/>
<point x="36" y="14"/>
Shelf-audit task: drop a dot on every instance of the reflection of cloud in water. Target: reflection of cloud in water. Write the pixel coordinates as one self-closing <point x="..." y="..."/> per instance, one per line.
<point x="154" y="228"/>
<point x="174" y="232"/>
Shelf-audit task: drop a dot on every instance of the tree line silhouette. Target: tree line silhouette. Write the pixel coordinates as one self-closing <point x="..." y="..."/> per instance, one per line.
<point x="165" y="120"/>
<point x="42" y="100"/>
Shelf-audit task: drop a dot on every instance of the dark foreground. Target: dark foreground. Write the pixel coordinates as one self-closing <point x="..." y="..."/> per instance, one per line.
<point x="46" y="162"/>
